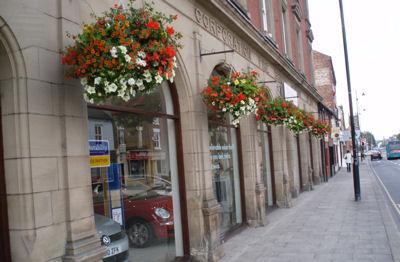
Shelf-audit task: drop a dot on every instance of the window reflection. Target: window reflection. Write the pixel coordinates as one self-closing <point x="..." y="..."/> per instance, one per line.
<point x="226" y="184"/>
<point x="136" y="190"/>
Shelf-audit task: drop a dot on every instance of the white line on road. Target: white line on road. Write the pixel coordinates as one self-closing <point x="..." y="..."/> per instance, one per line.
<point x="387" y="192"/>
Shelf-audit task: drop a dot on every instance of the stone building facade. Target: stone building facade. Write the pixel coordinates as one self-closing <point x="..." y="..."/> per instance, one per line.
<point x="218" y="178"/>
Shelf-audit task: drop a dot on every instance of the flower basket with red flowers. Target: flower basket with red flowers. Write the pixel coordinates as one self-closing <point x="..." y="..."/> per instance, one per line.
<point x="320" y="128"/>
<point x="281" y="112"/>
<point x="123" y="53"/>
<point x="237" y="94"/>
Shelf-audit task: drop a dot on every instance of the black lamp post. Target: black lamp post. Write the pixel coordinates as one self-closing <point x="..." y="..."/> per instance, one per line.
<point x="356" y="171"/>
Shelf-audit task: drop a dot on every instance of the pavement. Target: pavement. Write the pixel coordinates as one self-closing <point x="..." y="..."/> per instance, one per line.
<point x="325" y="224"/>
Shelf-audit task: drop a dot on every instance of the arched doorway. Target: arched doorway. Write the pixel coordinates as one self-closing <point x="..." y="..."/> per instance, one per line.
<point x="143" y="187"/>
<point x="227" y="173"/>
<point x="5" y="75"/>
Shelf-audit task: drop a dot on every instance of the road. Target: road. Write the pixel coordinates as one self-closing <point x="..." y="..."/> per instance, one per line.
<point x="388" y="172"/>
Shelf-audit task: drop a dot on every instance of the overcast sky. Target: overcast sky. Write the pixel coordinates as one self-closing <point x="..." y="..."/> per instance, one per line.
<point x="373" y="43"/>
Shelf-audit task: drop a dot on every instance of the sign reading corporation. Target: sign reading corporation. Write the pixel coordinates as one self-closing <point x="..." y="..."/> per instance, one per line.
<point x="219" y="31"/>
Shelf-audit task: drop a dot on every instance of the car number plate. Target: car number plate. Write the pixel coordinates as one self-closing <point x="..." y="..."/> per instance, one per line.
<point x="112" y="251"/>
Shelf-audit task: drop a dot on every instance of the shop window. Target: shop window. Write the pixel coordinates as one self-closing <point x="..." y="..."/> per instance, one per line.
<point x="223" y="145"/>
<point x="139" y="188"/>
<point x="225" y="168"/>
<point x="265" y="164"/>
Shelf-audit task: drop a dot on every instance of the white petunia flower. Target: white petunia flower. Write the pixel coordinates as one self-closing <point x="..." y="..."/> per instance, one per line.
<point x="126" y="98"/>
<point x="133" y="92"/>
<point x="174" y="62"/>
<point x="90" y="89"/>
<point x="84" y="81"/>
<point x="128" y="58"/>
<point x="147" y="76"/>
<point x="140" y="62"/>
<point x="113" y="52"/>
<point x="121" y="93"/>
<point x="158" y="79"/>
<point x="131" y="81"/>
<point x="141" y="54"/>
<point x="85" y="96"/>
<point x="97" y="80"/>
<point x="123" y="49"/>
<point x="139" y="84"/>
<point x="112" y="87"/>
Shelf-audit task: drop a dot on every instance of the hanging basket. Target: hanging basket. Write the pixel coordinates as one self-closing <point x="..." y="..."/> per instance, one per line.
<point x="320" y="129"/>
<point x="237" y="94"/>
<point x="123" y="53"/>
<point x="281" y="112"/>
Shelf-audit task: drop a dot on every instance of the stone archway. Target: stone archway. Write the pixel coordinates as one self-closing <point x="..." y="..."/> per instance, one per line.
<point x="12" y="69"/>
<point x="4" y="228"/>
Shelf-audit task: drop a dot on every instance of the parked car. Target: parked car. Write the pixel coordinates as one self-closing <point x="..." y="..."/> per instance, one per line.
<point x="148" y="212"/>
<point x="113" y="237"/>
<point x="376" y="154"/>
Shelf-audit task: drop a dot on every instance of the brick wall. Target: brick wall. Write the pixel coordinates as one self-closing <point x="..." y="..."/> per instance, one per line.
<point x="254" y="11"/>
<point x="324" y="78"/>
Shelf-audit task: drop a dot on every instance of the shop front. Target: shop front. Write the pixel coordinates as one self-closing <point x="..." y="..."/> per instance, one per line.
<point x="135" y="177"/>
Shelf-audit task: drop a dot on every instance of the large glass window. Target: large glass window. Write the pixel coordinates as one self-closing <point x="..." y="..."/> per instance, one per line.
<point x="285" y="31"/>
<point x="136" y="188"/>
<point x="267" y="17"/>
<point x="225" y="168"/>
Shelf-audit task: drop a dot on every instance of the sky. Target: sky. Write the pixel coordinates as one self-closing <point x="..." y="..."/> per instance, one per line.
<point x="373" y="44"/>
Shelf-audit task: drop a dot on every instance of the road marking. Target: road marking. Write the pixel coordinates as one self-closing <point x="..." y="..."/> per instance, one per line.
<point x="397" y="207"/>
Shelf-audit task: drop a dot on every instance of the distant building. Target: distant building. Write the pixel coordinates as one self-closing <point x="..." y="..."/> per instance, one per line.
<point x="325" y="83"/>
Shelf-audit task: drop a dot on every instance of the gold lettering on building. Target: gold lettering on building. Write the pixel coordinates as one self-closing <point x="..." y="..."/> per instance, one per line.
<point x="222" y="33"/>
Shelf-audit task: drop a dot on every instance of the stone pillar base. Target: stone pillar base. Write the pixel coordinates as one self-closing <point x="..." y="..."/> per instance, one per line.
<point x="260" y="200"/>
<point x="285" y="203"/>
<point x="214" y="251"/>
<point x="85" y="249"/>
<point x="316" y="180"/>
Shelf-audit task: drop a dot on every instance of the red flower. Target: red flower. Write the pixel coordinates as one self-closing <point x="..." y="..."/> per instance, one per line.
<point x="153" y="25"/>
<point x="208" y="90"/>
<point x="240" y="97"/>
<point x="170" y="51"/>
<point x="170" y="30"/>
<point x="214" y="80"/>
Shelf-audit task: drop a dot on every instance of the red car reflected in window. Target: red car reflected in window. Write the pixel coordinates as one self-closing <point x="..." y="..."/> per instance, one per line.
<point x="148" y="211"/>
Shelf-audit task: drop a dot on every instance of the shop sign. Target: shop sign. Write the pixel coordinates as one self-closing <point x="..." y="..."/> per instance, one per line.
<point x="346" y="136"/>
<point x="138" y="155"/>
<point x="99" y="153"/>
<point x="222" y="33"/>
<point x="335" y="132"/>
<point x="117" y="215"/>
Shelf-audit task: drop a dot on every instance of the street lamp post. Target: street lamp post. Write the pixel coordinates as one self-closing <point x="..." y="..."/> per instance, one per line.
<point x="356" y="171"/>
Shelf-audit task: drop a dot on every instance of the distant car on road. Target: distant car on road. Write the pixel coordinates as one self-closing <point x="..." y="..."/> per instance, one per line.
<point x="375" y="154"/>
